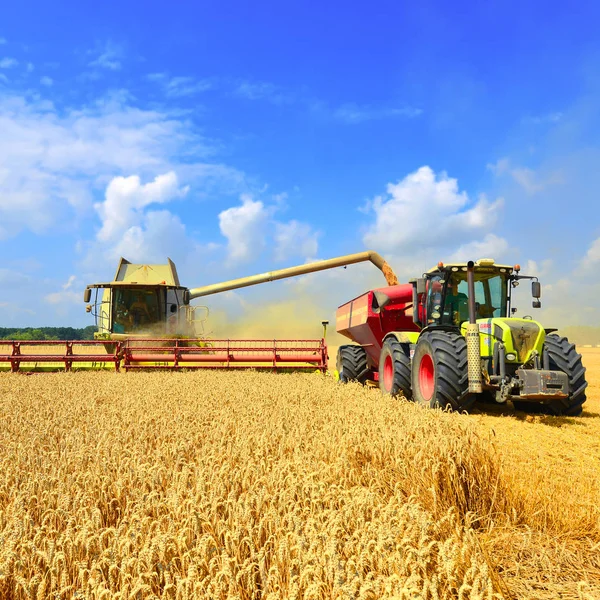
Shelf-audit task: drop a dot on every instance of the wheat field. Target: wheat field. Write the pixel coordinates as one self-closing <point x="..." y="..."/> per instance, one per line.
<point x="253" y="485"/>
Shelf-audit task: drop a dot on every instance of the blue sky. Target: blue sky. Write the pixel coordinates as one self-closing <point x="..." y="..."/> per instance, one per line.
<point x="237" y="138"/>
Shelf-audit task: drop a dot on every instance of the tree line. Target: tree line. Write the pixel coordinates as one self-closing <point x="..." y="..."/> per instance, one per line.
<point x="47" y="333"/>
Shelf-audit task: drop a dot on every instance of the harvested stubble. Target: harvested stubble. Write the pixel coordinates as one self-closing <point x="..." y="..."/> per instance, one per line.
<point x="248" y="485"/>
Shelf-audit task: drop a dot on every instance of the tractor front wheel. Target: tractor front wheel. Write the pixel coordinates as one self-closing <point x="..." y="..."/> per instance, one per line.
<point x="352" y="364"/>
<point x="563" y="357"/>
<point x="394" y="369"/>
<point x="439" y="371"/>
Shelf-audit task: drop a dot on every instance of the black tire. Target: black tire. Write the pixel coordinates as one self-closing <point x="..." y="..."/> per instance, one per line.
<point x="394" y="369"/>
<point x="563" y="357"/>
<point x="439" y="371"/>
<point x="352" y="364"/>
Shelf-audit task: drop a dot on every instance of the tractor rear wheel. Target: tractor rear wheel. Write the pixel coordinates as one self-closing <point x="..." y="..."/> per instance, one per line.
<point x="439" y="371"/>
<point x="352" y="364"/>
<point x="563" y="357"/>
<point x="394" y="369"/>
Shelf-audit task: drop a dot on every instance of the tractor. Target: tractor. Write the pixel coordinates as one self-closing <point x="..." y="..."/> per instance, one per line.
<point x="450" y="338"/>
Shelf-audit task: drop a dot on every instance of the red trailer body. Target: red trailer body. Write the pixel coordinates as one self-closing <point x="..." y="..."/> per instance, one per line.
<point x="366" y="323"/>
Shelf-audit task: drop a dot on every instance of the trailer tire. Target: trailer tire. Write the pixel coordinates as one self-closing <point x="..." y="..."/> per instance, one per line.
<point x="439" y="371"/>
<point x="563" y="357"/>
<point x="352" y="364"/>
<point x="394" y="369"/>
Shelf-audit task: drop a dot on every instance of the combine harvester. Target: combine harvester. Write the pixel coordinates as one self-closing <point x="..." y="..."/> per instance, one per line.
<point x="448" y="339"/>
<point x="145" y="321"/>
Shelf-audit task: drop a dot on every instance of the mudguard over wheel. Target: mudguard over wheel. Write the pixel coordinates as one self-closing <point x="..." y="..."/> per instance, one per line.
<point x="439" y="371"/>
<point x="394" y="369"/>
<point x="563" y="356"/>
<point x="352" y="364"/>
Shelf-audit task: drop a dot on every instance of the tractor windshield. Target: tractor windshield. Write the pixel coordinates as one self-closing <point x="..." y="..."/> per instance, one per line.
<point x="450" y="291"/>
<point x="134" y="309"/>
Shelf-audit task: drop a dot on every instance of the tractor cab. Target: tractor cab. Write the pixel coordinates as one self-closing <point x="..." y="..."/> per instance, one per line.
<point x="442" y="294"/>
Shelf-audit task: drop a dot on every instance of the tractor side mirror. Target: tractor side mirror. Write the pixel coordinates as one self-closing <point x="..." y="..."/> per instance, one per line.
<point x="421" y="285"/>
<point x="536" y="304"/>
<point x="87" y="295"/>
<point x="186" y="297"/>
<point x="536" y="289"/>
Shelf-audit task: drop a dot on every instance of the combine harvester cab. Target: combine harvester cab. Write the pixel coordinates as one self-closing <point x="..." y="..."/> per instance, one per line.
<point x="145" y="320"/>
<point x="448" y="339"/>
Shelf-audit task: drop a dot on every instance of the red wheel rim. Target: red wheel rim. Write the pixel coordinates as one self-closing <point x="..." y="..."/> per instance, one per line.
<point x="388" y="373"/>
<point x="426" y="378"/>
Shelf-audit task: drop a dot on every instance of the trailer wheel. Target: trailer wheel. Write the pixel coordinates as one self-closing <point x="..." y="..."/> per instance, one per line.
<point x="439" y="371"/>
<point x="563" y="357"/>
<point x="394" y="369"/>
<point x="352" y="364"/>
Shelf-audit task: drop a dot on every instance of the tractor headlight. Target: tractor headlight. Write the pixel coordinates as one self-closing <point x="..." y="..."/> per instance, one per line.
<point x="511" y="356"/>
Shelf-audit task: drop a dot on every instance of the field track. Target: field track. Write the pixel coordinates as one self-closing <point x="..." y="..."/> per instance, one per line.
<point x="247" y="485"/>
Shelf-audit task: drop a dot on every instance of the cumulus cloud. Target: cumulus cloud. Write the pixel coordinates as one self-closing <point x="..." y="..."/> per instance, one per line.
<point x="425" y="210"/>
<point x="244" y="228"/>
<point x="53" y="162"/>
<point x="295" y="238"/>
<point x="126" y="198"/>
<point x="491" y="246"/>
<point x="47" y="81"/>
<point x="250" y="227"/>
<point x="159" y="234"/>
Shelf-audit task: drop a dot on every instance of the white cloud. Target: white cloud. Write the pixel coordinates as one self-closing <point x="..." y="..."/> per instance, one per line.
<point x="352" y="113"/>
<point x="52" y="161"/>
<point x="491" y="246"/>
<point x="47" y="81"/>
<point x="538" y="269"/>
<point x="591" y="260"/>
<point x="295" y="238"/>
<point x="531" y="181"/>
<point x="109" y="57"/>
<point x="126" y="198"/>
<point x="244" y="228"/>
<point x="545" y="119"/>
<point x="425" y="211"/>
<point x="67" y="296"/>
<point x="178" y="87"/>
<point x="262" y="91"/>
<point x="8" y="63"/>
<point x="3" y="41"/>
<point x="158" y="235"/>
<point x="501" y="166"/>
<point x="70" y="282"/>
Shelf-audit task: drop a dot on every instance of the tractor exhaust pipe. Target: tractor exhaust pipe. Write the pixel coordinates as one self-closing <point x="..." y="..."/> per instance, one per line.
<point x="473" y="351"/>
